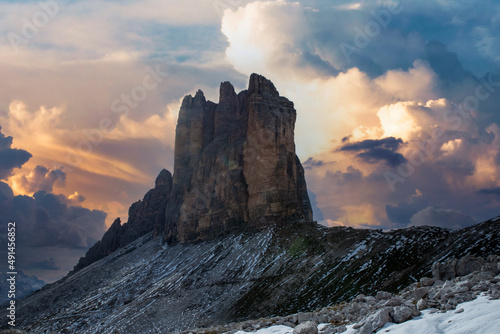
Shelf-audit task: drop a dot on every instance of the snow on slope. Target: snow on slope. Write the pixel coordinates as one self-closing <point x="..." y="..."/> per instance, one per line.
<point x="481" y="315"/>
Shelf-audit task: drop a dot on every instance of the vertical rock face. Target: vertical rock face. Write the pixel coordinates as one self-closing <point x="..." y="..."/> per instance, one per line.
<point x="235" y="164"/>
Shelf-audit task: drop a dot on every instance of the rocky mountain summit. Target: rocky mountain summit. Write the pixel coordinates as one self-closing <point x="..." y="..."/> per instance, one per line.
<point x="235" y="170"/>
<point x="235" y="164"/>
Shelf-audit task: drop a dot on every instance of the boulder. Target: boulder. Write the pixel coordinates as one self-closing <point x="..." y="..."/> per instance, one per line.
<point x="402" y="314"/>
<point x="420" y="293"/>
<point x="469" y="264"/>
<point x="446" y="270"/>
<point x="377" y="320"/>
<point x="421" y="304"/>
<point x="383" y="295"/>
<point x="395" y="301"/>
<point x="426" y="281"/>
<point x="308" y="327"/>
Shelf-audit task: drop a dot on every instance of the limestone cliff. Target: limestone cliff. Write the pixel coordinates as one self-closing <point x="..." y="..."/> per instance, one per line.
<point x="235" y="169"/>
<point x="235" y="164"/>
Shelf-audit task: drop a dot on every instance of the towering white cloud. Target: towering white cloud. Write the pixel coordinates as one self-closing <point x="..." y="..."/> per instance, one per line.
<point x="441" y="141"/>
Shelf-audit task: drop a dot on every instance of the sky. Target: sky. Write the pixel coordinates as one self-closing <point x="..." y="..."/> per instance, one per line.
<point x="397" y="104"/>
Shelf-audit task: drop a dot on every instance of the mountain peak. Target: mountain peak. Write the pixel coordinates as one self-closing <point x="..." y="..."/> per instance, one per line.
<point x="261" y="85"/>
<point x="235" y="165"/>
<point x="164" y="178"/>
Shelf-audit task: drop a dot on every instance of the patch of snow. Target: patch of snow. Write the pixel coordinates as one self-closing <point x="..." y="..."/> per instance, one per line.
<point x="280" y="329"/>
<point x="357" y="252"/>
<point x="479" y="316"/>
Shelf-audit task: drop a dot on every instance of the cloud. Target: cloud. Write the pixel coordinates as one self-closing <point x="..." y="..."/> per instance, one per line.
<point x="397" y="86"/>
<point x="49" y="264"/>
<point x="39" y="179"/>
<point x="375" y="150"/>
<point x="490" y="191"/>
<point x="313" y="163"/>
<point x="446" y="218"/>
<point x="49" y="225"/>
<point x="10" y="158"/>
<point x="44" y="221"/>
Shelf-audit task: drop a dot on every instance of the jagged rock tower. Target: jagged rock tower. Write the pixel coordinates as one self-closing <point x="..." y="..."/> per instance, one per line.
<point x="235" y="170"/>
<point x="235" y="164"/>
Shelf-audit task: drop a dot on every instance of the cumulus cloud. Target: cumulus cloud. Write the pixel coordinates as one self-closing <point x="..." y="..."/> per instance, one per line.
<point x="446" y="218"/>
<point x="39" y="179"/>
<point x="44" y="221"/>
<point x="444" y="142"/>
<point x="47" y="221"/>
<point x="10" y="158"/>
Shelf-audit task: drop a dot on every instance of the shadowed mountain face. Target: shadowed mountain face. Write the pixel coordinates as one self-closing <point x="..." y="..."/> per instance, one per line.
<point x="235" y="170"/>
<point x="235" y="165"/>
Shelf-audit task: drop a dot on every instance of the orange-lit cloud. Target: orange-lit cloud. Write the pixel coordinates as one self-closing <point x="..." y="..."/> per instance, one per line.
<point x="339" y="107"/>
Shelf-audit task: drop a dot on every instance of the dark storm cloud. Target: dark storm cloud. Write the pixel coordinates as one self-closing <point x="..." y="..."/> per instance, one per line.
<point x="490" y="191"/>
<point x="445" y="63"/>
<point x="311" y="163"/>
<point x="389" y="143"/>
<point x="401" y="213"/>
<point x="344" y="178"/>
<point x="49" y="231"/>
<point x="375" y="150"/>
<point x="47" y="220"/>
<point x="10" y="158"/>
<point x="379" y="154"/>
<point x="385" y="36"/>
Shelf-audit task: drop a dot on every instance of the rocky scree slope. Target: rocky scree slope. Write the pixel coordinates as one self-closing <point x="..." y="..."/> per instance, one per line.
<point x="150" y="287"/>
<point x="465" y="279"/>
